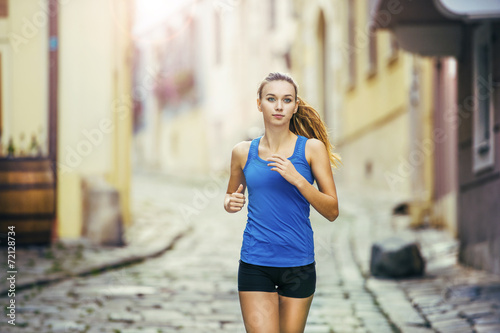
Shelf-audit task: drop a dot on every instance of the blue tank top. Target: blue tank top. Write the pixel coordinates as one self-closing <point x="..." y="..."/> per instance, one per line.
<point x="278" y="232"/>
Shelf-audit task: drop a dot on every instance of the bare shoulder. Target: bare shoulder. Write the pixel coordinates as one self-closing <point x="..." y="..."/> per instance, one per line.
<point x="240" y="152"/>
<point x="242" y="148"/>
<point x="315" y="145"/>
<point x="315" y="148"/>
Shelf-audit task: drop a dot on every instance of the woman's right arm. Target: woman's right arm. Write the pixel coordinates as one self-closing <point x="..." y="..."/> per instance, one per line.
<point x="235" y="198"/>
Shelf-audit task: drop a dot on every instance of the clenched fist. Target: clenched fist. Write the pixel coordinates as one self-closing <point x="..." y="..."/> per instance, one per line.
<point x="235" y="201"/>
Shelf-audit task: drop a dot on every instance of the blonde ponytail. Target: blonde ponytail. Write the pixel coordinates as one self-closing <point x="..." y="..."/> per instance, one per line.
<point x="307" y="122"/>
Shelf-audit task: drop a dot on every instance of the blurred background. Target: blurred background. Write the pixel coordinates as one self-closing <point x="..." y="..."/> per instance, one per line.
<point x="94" y="92"/>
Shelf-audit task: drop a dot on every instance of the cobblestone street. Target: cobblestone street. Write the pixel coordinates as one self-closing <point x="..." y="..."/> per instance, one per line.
<point x="192" y="287"/>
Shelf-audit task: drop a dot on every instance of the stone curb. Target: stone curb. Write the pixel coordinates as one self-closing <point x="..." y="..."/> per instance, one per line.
<point x="126" y="256"/>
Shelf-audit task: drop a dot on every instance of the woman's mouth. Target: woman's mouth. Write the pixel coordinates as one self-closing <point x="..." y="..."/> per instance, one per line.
<point x="279" y="116"/>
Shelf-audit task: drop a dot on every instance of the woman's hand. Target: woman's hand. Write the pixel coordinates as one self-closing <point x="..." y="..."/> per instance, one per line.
<point x="285" y="168"/>
<point x="235" y="201"/>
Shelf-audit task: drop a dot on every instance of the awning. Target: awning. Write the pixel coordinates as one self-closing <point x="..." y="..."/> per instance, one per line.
<point x="431" y="27"/>
<point x="470" y="10"/>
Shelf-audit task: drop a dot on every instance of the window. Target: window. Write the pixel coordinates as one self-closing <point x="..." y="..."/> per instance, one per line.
<point x="4" y="12"/>
<point x="482" y="148"/>
<point x="351" y="44"/>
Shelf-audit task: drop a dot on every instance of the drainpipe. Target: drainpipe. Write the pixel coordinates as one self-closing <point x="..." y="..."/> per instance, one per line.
<point x="53" y="97"/>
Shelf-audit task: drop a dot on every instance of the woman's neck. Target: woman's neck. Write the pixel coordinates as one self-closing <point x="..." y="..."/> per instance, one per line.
<point x="276" y="140"/>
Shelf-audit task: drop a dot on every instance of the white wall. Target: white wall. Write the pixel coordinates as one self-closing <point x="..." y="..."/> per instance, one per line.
<point x="85" y="85"/>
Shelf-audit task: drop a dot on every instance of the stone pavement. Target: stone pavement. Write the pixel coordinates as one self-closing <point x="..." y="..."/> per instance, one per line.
<point x="157" y="225"/>
<point x="448" y="298"/>
<point x="192" y="287"/>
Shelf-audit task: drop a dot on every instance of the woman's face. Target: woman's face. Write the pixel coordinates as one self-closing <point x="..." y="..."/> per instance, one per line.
<point x="277" y="102"/>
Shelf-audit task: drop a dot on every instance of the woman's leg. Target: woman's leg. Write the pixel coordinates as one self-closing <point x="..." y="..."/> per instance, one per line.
<point x="260" y="311"/>
<point x="293" y="313"/>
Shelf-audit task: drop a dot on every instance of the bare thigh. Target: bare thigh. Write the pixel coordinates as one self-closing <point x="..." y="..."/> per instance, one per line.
<point x="293" y="313"/>
<point x="260" y="311"/>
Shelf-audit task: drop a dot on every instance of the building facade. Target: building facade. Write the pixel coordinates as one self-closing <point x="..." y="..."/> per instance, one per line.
<point x="204" y="63"/>
<point x="66" y="82"/>
<point x="374" y="97"/>
<point x="467" y="32"/>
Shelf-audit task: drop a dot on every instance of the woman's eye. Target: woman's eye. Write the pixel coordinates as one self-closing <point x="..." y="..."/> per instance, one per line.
<point x="271" y="99"/>
<point x="287" y="100"/>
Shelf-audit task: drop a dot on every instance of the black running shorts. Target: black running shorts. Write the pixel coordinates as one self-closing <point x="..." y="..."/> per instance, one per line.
<point x="296" y="282"/>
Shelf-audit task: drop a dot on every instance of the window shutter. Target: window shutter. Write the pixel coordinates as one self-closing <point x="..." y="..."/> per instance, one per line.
<point x="4" y="8"/>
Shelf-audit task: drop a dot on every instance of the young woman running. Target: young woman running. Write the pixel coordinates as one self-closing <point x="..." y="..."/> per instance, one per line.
<point x="277" y="275"/>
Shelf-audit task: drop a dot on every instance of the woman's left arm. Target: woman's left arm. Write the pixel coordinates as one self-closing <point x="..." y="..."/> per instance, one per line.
<point x="325" y="200"/>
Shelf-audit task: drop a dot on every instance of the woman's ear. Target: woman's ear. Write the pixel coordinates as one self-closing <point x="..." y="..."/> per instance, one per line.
<point x="259" y="105"/>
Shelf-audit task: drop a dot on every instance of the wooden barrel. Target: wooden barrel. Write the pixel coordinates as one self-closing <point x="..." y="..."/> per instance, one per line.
<point x="27" y="199"/>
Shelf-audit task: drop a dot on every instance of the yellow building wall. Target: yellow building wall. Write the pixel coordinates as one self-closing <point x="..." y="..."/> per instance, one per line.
<point x="374" y="98"/>
<point x="421" y="209"/>
<point x="122" y="107"/>
<point x="375" y="121"/>
<point x="377" y="133"/>
<point x="24" y="47"/>
<point x="94" y="104"/>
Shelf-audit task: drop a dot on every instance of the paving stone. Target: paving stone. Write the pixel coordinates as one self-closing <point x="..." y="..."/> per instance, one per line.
<point x="452" y="324"/>
<point x="417" y="329"/>
<point x="487" y="328"/>
<point x="458" y="300"/>
<point x="161" y="316"/>
<point x="105" y="327"/>
<point x="125" y="317"/>
<point x="368" y="307"/>
<point x="142" y="330"/>
<point x="189" y="324"/>
<point x="233" y="327"/>
<point x="64" y="326"/>
<point x="437" y="309"/>
<point x="346" y="321"/>
<point x="37" y="309"/>
<point x="345" y="328"/>
<point x="117" y="291"/>
<point x="217" y="318"/>
<point x="443" y="316"/>
<point x="427" y="301"/>
<point x="488" y="320"/>
<point x="318" y="329"/>
<point x="475" y="310"/>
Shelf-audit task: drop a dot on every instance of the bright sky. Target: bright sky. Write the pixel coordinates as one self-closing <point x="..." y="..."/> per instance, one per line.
<point x="150" y="12"/>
